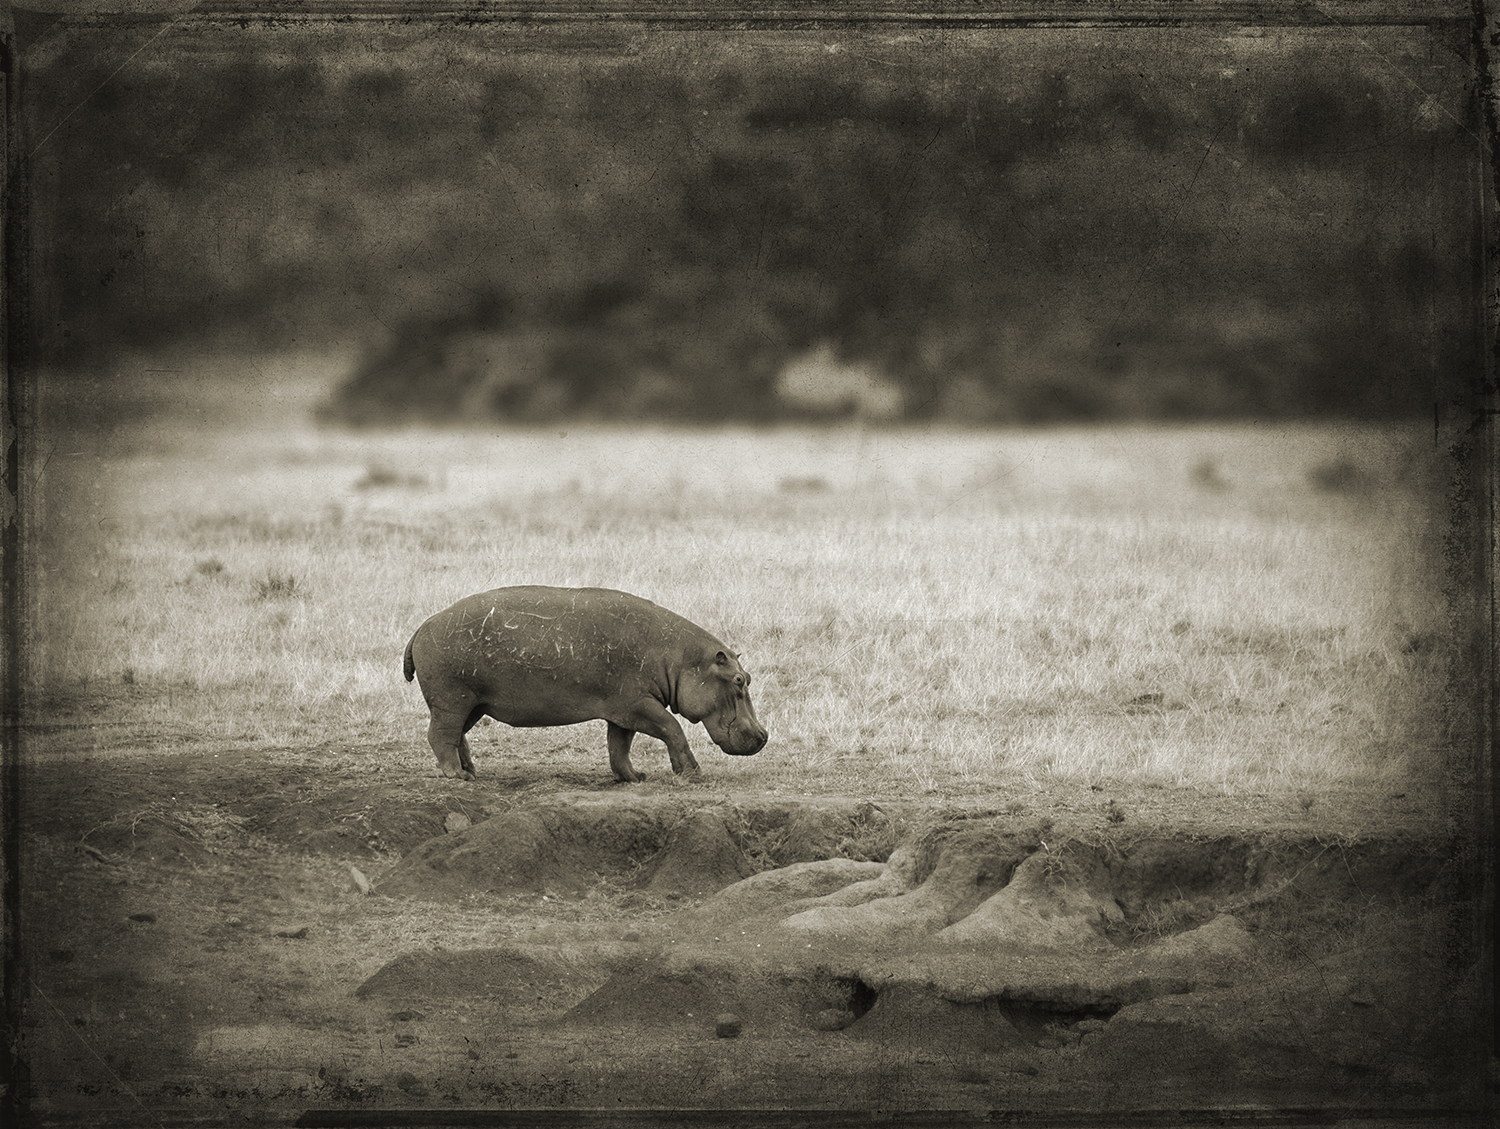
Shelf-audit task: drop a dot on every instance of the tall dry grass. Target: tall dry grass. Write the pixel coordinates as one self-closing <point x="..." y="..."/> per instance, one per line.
<point x="1224" y="608"/>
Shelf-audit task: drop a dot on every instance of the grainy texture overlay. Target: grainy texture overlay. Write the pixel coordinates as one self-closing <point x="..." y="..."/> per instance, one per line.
<point x="1072" y="418"/>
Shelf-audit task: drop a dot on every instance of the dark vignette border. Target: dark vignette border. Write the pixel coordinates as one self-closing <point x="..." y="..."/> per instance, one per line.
<point x="1472" y="400"/>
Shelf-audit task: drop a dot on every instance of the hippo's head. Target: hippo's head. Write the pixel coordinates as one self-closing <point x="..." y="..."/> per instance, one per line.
<point x="719" y="696"/>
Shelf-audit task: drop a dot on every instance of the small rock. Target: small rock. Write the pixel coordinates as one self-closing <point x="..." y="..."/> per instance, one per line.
<point x="832" y="1019"/>
<point x="145" y="918"/>
<point x="293" y="934"/>
<point x="632" y="935"/>
<point x="406" y="1040"/>
<point x="235" y="922"/>
<point x="360" y="880"/>
<point x="408" y="1017"/>
<point x="456" y="821"/>
<point x="411" y="1084"/>
<point x="727" y="1025"/>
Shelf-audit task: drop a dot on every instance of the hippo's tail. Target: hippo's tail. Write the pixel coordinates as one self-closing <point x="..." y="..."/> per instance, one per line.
<point x="408" y="667"/>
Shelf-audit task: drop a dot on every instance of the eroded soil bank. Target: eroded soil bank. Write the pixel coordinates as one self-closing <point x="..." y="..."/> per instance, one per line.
<point x="197" y="940"/>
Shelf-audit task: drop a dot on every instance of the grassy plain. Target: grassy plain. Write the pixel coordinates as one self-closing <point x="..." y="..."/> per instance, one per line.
<point x="1229" y="608"/>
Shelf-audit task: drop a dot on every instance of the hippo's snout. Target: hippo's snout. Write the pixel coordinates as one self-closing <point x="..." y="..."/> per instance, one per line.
<point x="744" y="740"/>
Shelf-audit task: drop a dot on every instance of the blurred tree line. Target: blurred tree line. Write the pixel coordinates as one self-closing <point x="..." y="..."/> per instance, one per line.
<point x="978" y="228"/>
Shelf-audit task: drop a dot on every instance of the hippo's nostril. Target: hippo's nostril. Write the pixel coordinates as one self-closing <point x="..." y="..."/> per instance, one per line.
<point x="745" y="744"/>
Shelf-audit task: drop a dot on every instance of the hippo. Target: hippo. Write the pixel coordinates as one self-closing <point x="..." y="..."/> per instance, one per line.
<point x="537" y="656"/>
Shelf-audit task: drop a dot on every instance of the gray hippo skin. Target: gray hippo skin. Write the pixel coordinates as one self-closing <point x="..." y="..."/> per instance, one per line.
<point x="534" y="656"/>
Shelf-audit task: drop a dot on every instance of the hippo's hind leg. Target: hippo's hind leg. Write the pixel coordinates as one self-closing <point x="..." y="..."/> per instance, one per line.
<point x="465" y="758"/>
<point x="619" y="754"/>
<point x="445" y="733"/>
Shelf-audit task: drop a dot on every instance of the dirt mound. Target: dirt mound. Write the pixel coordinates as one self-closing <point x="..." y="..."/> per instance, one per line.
<point x="862" y="831"/>
<point x="689" y="989"/>
<point x="1001" y="930"/>
<point x="973" y="864"/>
<point x="772" y="890"/>
<point x="1378" y="1009"/>
<point x="563" y="848"/>
<point x="917" y="1016"/>
<point x="984" y="936"/>
<point x="481" y="972"/>
<point x="665" y="844"/>
<point x="189" y="807"/>
<point x="1170" y="961"/>
<point x="1153" y="870"/>
<point x="699" y="859"/>
<point x="687" y="996"/>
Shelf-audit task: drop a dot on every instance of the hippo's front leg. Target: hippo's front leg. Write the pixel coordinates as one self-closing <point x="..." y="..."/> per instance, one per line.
<point x="651" y="718"/>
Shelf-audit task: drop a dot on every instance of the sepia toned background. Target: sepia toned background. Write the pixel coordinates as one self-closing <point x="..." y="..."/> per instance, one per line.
<point x="922" y="224"/>
<point x="1071" y="427"/>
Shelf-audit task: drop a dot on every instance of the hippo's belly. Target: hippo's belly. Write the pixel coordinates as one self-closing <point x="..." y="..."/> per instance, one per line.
<point x="527" y="705"/>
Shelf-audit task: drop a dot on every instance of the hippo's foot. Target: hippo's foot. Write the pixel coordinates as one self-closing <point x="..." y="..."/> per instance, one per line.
<point x="465" y="774"/>
<point x="633" y="777"/>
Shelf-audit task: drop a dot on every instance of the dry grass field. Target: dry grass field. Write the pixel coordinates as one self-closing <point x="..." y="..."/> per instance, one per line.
<point x="1224" y="608"/>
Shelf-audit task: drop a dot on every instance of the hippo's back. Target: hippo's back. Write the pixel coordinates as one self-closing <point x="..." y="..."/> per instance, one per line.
<point x="571" y="612"/>
<point x="589" y="637"/>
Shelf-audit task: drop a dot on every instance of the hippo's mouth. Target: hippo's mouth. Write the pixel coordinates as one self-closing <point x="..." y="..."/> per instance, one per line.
<point x="746" y="747"/>
<point x="738" y="739"/>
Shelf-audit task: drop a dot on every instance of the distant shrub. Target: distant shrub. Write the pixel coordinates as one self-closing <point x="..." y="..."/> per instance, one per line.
<point x="1206" y="474"/>
<point x="379" y="477"/>
<point x="1341" y="477"/>
<point x="277" y="586"/>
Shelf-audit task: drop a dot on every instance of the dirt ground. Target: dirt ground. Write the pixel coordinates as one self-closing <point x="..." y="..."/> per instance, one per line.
<point x="260" y="933"/>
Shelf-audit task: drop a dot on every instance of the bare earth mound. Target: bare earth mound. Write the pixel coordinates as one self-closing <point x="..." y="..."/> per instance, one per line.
<point x="554" y="949"/>
<point x="1011" y="939"/>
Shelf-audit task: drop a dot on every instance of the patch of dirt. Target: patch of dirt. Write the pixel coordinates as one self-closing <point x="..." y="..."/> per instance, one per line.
<point x="196" y="939"/>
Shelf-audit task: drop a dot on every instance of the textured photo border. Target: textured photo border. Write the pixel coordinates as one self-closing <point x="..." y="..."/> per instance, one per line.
<point x="1472" y="397"/>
